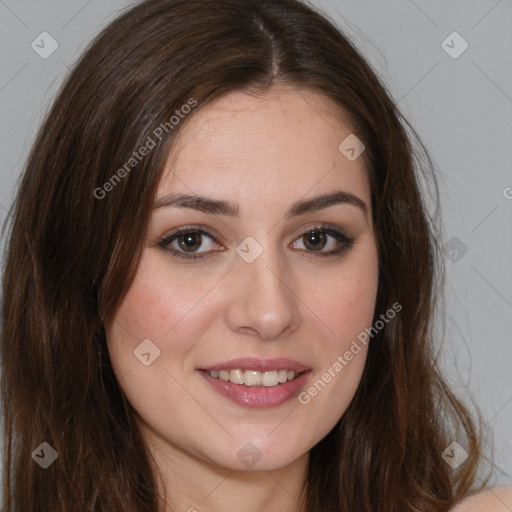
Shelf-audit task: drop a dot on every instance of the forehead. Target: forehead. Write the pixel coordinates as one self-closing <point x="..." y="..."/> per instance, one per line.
<point x="273" y="147"/>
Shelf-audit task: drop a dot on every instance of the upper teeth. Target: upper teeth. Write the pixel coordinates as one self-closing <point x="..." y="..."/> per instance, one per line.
<point x="253" y="377"/>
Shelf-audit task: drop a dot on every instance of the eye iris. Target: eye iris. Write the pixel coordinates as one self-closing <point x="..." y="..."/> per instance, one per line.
<point x="190" y="241"/>
<point x="313" y="238"/>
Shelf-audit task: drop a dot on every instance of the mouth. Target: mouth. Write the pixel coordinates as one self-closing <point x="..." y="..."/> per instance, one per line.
<point x="257" y="383"/>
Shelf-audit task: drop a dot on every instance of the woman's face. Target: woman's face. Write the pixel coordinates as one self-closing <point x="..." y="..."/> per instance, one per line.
<point x="256" y="287"/>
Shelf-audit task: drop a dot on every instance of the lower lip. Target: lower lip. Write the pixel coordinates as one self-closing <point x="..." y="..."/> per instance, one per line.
<point x="260" y="397"/>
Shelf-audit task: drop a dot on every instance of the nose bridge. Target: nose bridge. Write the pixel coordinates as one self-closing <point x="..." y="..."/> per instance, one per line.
<point x="263" y="300"/>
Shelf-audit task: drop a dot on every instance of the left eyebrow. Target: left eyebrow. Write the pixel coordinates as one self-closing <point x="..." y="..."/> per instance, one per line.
<point x="221" y="207"/>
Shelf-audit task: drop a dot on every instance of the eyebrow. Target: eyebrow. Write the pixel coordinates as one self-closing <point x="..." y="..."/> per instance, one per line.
<point x="220" y="207"/>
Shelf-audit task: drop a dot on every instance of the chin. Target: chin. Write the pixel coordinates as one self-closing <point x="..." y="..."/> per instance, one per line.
<point x="260" y="453"/>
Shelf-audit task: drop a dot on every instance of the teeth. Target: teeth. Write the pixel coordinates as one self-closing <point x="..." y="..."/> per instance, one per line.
<point x="282" y="376"/>
<point x="269" y="379"/>
<point x="253" y="377"/>
<point x="236" y="376"/>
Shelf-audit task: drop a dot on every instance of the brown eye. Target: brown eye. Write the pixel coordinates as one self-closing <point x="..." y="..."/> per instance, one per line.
<point x="315" y="240"/>
<point x="190" y="242"/>
<point x="186" y="242"/>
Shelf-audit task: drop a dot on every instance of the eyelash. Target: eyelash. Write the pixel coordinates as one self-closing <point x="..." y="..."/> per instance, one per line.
<point x="346" y="242"/>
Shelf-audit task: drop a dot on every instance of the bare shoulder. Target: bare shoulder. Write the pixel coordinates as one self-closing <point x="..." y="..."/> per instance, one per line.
<point x="494" y="499"/>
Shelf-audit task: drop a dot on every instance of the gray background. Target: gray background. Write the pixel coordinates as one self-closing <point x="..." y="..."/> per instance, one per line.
<point x="461" y="107"/>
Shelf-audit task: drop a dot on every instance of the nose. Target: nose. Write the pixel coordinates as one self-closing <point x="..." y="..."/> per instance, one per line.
<point x="263" y="301"/>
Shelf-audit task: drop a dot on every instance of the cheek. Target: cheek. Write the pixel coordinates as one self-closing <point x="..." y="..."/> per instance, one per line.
<point x="346" y="304"/>
<point x="351" y="310"/>
<point x="346" y="308"/>
<point x="166" y="310"/>
<point x="157" y="307"/>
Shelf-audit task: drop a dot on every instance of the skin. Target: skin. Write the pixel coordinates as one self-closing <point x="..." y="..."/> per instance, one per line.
<point x="497" y="499"/>
<point x="264" y="152"/>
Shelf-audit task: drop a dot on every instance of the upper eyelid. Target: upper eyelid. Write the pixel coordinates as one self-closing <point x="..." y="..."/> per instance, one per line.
<point x="192" y="229"/>
<point x="325" y="226"/>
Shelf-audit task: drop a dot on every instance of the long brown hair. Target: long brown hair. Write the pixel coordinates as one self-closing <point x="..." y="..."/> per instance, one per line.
<point x="73" y="251"/>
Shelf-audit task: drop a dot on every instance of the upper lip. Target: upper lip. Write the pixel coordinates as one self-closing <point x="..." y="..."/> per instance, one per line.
<point x="261" y="365"/>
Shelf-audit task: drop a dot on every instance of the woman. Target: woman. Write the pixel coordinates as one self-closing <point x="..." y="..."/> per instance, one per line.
<point x="221" y="278"/>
